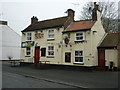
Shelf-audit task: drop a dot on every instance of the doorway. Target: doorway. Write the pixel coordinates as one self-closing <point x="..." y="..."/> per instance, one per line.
<point x="37" y="54"/>
<point x="68" y="57"/>
<point x="101" y="57"/>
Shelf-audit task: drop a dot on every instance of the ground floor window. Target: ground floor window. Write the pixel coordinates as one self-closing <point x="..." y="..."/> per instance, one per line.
<point x="28" y="51"/>
<point x="50" y="50"/>
<point x="78" y="56"/>
<point x="43" y="52"/>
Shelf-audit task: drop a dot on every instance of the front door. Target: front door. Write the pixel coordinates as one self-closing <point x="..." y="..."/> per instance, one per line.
<point x="68" y="57"/>
<point x="101" y="57"/>
<point x="37" y="54"/>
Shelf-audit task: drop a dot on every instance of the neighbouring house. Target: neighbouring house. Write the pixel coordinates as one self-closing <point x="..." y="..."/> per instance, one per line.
<point x="9" y="42"/>
<point x="109" y="51"/>
<point x="63" y="40"/>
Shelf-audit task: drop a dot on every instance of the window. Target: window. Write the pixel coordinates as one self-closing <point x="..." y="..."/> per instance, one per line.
<point x="29" y="36"/>
<point x="28" y="51"/>
<point x="79" y="36"/>
<point x="50" y="50"/>
<point x="78" y="56"/>
<point x="43" y="52"/>
<point x="51" y="34"/>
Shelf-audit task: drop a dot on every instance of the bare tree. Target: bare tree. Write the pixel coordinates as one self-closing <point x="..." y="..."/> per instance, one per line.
<point x="109" y="14"/>
<point x="87" y="11"/>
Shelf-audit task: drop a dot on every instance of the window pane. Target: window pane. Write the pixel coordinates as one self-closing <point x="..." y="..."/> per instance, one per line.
<point x="51" y="31"/>
<point x="51" y="36"/>
<point x="50" y="52"/>
<point x="27" y="51"/>
<point x="78" y="38"/>
<point x="78" y="53"/>
<point x="50" y="48"/>
<point x="78" y="59"/>
<point x="29" y="36"/>
<point x="79" y="34"/>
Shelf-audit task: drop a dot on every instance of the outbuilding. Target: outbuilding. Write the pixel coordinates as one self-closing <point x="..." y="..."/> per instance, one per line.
<point x="109" y="51"/>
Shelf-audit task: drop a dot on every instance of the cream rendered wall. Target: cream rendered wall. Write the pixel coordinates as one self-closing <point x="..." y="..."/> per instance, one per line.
<point x="23" y="50"/>
<point x="111" y="55"/>
<point x="92" y="37"/>
<point x="44" y="43"/>
<point x="84" y="46"/>
<point x="97" y="33"/>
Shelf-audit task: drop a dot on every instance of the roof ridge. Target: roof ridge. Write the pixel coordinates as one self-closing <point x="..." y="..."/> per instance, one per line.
<point x="52" y="19"/>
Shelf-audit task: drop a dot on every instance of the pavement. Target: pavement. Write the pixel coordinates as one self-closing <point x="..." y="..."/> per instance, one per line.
<point x="57" y="78"/>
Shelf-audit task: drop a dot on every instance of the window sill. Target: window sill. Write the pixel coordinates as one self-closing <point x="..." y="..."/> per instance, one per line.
<point x="50" y="56"/>
<point x="50" y="39"/>
<point x="27" y="56"/>
<point x="80" y="63"/>
<point x="80" y="41"/>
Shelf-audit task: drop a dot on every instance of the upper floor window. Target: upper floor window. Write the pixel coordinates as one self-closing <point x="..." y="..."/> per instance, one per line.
<point x="51" y="34"/>
<point x="79" y="36"/>
<point x="29" y="36"/>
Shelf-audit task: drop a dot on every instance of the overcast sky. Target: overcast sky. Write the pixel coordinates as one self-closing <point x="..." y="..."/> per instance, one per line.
<point x="18" y="13"/>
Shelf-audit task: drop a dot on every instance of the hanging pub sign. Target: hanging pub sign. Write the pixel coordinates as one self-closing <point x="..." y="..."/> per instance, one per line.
<point x="39" y="35"/>
<point x="27" y="44"/>
<point x="66" y="40"/>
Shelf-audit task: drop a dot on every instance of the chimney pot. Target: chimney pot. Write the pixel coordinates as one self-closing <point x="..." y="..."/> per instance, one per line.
<point x="34" y="20"/>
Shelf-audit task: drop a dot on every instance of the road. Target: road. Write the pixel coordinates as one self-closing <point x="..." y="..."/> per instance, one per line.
<point x="29" y="77"/>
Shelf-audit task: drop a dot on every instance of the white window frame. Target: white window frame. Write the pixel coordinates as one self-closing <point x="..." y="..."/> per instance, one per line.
<point x="51" y="51"/>
<point x="28" y="51"/>
<point x="29" y="36"/>
<point x="78" y="57"/>
<point x="49" y="33"/>
<point x="79" y="36"/>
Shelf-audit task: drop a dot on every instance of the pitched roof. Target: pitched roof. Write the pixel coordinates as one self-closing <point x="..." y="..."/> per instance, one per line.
<point x="111" y="40"/>
<point x="56" y="22"/>
<point x="81" y="25"/>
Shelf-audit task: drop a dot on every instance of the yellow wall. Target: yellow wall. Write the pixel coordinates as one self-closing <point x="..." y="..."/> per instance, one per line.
<point x="44" y="43"/>
<point x="89" y="48"/>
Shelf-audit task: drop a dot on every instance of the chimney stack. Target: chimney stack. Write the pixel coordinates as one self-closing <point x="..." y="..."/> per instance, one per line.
<point x="34" y="20"/>
<point x="94" y="12"/>
<point x="71" y="14"/>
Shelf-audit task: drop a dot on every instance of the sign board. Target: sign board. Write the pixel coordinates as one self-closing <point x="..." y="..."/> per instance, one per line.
<point x="39" y="35"/>
<point x="27" y="44"/>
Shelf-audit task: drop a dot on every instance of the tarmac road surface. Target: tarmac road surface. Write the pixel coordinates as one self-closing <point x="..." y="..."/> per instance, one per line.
<point x="25" y="76"/>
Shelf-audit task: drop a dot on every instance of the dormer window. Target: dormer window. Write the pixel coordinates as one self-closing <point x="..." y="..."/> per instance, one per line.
<point x="29" y="36"/>
<point x="51" y="34"/>
<point x="79" y="36"/>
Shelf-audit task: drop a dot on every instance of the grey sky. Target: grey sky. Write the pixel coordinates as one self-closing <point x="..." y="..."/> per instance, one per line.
<point x="18" y="13"/>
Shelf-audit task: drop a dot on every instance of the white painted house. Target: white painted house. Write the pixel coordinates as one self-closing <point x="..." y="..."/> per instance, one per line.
<point x="9" y="42"/>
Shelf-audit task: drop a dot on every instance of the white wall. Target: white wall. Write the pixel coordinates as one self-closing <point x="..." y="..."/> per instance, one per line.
<point x="10" y="43"/>
<point x="0" y="43"/>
